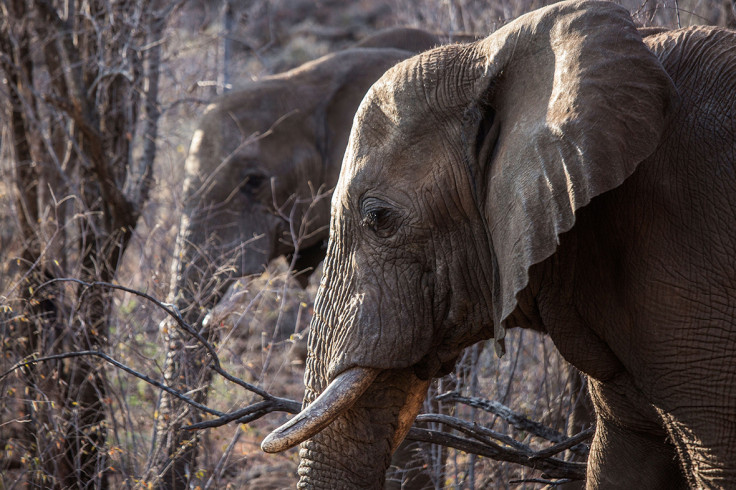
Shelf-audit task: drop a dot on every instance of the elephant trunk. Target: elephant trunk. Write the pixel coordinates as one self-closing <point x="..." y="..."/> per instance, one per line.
<point x="355" y="421"/>
<point x="211" y="251"/>
<point x="354" y="451"/>
<point x="188" y="270"/>
<point x="209" y="254"/>
<point x="328" y="462"/>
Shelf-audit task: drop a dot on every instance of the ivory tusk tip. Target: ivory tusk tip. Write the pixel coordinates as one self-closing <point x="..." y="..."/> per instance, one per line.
<point x="273" y="443"/>
<point x="286" y="436"/>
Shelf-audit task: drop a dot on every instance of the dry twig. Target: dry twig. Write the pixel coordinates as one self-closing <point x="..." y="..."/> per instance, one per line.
<point x="517" y="420"/>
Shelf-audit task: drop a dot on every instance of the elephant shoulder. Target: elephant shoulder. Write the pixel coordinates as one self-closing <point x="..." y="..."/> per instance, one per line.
<point x="701" y="61"/>
<point x="698" y="48"/>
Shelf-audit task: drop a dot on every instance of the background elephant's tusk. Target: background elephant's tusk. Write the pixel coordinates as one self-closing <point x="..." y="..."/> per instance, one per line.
<point x="337" y="397"/>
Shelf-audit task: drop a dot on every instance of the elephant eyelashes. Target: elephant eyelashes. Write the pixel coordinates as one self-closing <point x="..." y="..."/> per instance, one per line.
<point x="378" y="218"/>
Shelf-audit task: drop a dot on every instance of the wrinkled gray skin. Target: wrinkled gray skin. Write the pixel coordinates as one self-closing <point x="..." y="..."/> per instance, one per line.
<point x="562" y="175"/>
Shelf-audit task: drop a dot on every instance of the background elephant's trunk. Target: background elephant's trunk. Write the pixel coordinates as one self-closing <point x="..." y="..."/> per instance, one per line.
<point x="211" y="251"/>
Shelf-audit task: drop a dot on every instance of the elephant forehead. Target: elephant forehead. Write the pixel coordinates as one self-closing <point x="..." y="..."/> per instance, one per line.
<point x="405" y="130"/>
<point x="413" y="111"/>
<point x="245" y="132"/>
<point x="416" y="92"/>
<point x="396" y="172"/>
<point x="225" y="140"/>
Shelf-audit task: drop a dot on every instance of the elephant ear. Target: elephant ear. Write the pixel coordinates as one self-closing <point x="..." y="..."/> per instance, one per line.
<point x="577" y="102"/>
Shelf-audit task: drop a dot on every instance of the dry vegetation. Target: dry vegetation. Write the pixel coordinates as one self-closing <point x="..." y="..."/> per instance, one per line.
<point x="263" y="319"/>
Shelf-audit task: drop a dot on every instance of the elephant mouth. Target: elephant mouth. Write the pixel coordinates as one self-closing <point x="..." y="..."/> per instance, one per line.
<point x="339" y="396"/>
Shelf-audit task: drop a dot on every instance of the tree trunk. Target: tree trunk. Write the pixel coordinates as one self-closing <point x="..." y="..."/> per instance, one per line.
<point x="72" y="129"/>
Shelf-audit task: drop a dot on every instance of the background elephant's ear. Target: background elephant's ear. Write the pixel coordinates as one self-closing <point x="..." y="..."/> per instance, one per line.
<point x="349" y="75"/>
<point x="577" y="102"/>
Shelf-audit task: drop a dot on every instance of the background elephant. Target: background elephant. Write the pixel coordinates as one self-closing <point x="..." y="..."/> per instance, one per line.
<point x="562" y="175"/>
<point x="259" y="174"/>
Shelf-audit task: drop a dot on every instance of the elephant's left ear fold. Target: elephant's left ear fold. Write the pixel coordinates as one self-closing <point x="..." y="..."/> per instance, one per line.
<point x="579" y="102"/>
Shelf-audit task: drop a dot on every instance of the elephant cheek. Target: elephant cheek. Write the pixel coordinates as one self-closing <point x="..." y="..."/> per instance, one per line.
<point x="379" y="332"/>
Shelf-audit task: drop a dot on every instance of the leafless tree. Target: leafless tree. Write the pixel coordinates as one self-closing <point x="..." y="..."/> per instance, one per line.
<point x="80" y="100"/>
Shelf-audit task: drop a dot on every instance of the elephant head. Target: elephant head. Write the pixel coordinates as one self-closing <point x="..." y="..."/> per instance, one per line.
<point x="465" y="165"/>
<point x="263" y="163"/>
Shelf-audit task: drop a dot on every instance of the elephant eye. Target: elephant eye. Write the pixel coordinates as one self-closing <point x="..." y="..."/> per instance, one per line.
<point x="252" y="183"/>
<point x="378" y="217"/>
<point x="372" y="218"/>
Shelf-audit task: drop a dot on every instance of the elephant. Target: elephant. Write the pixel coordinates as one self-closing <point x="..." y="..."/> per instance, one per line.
<point x="564" y="175"/>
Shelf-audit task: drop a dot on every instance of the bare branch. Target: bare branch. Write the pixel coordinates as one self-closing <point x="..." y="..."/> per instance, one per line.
<point x="541" y="481"/>
<point x="102" y="355"/>
<point x="242" y="416"/>
<point x="473" y="430"/>
<point x="566" y="444"/>
<point x="519" y="421"/>
<point x="250" y="413"/>
<point x="180" y="321"/>
<point x="551" y="467"/>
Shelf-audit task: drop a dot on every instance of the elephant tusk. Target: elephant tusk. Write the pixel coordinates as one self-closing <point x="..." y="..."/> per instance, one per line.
<point x="337" y="397"/>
